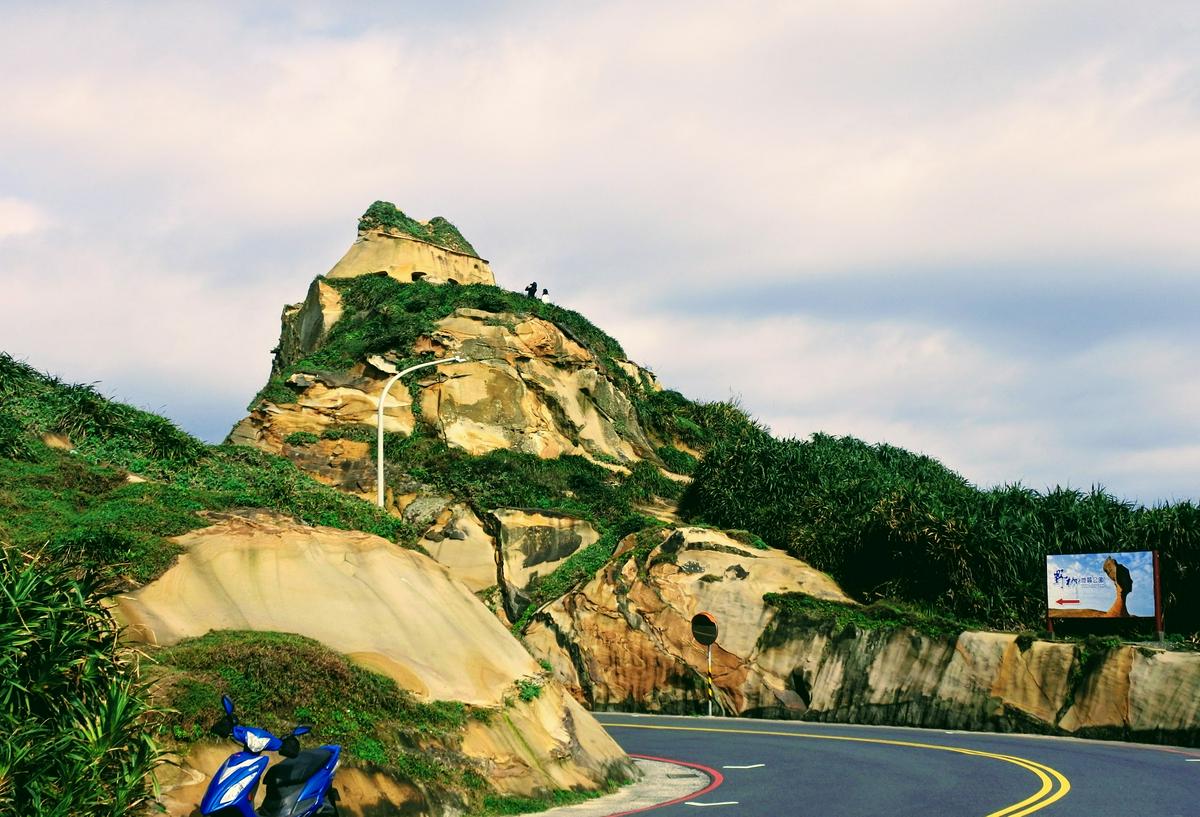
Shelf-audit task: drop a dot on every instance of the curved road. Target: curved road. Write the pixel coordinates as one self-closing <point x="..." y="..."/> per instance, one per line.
<point x="768" y="768"/>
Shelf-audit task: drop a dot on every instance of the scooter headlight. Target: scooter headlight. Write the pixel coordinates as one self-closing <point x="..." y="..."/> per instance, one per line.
<point x="256" y="743"/>
<point x="235" y="791"/>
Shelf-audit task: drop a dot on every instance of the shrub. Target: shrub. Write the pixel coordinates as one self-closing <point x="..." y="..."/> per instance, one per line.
<point x="301" y="438"/>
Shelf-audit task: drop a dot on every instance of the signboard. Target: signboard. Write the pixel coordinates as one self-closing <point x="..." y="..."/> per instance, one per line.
<point x="1103" y="585"/>
<point x="704" y="628"/>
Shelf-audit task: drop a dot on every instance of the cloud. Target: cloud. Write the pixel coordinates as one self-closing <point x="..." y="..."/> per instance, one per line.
<point x="18" y="218"/>
<point x="966" y="229"/>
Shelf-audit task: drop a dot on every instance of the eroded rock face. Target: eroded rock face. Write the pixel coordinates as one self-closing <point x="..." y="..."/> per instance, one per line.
<point x="406" y="259"/>
<point x="528" y="388"/>
<point x="531" y="544"/>
<point x="395" y="611"/>
<point x="532" y="389"/>
<point x="624" y="641"/>
<point x="458" y="540"/>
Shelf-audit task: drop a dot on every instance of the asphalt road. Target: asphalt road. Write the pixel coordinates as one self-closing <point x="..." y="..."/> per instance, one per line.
<point x="833" y="770"/>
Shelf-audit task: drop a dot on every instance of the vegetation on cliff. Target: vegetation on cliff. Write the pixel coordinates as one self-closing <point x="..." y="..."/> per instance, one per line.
<point x="383" y="215"/>
<point x="74" y="723"/>
<point x="886" y="523"/>
<point x="380" y="314"/>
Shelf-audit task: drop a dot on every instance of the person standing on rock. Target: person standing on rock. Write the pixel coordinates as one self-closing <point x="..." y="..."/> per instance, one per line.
<point x="545" y="296"/>
<point x="531" y="290"/>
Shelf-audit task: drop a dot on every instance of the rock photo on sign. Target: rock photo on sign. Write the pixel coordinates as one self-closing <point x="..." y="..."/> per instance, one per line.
<point x="1100" y="585"/>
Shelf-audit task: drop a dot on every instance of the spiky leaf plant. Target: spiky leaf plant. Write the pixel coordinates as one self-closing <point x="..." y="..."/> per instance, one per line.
<point x="74" y="723"/>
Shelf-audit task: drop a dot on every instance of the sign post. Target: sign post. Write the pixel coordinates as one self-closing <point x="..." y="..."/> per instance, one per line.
<point x="704" y="630"/>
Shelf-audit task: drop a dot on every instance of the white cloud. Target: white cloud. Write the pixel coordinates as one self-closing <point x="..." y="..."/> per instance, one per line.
<point x="203" y="164"/>
<point x="19" y="218"/>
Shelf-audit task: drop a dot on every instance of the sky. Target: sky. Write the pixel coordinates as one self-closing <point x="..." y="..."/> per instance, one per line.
<point x="969" y="229"/>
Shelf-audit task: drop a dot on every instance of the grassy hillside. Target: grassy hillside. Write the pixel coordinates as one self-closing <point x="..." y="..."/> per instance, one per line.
<point x="887" y="523"/>
<point x="77" y="500"/>
<point x="90" y="492"/>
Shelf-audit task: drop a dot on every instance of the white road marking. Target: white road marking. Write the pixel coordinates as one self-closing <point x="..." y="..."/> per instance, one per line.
<point x="1187" y="760"/>
<point x="760" y="765"/>
<point x="726" y="803"/>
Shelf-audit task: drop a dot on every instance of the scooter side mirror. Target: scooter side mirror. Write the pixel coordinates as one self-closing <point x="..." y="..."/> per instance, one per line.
<point x="290" y="746"/>
<point x="301" y="730"/>
<point x="228" y="704"/>
<point x="223" y="728"/>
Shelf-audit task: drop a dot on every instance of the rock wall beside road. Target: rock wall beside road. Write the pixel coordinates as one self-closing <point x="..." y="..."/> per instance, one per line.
<point x="623" y="641"/>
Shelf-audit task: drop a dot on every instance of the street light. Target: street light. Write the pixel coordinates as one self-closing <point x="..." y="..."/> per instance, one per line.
<point x="383" y="365"/>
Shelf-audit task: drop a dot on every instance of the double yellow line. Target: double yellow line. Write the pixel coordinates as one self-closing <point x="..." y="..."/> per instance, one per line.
<point x="1054" y="785"/>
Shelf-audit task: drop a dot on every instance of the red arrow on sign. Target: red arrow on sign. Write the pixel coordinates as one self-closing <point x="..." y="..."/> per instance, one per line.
<point x="1067" y="601"/>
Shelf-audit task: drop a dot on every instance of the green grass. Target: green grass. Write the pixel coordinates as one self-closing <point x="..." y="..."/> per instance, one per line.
<point x="80" y="504"/>
<point x="279" y="680"/>
<point x="383" y="215"/>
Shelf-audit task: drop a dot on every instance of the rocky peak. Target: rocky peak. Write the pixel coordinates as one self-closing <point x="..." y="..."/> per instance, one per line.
<point x="391" y="243"/>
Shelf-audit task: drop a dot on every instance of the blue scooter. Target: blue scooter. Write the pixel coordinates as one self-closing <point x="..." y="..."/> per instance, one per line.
<point x="301" y="785"/>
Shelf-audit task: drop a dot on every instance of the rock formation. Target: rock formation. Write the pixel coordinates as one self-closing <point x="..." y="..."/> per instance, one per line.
<point x="1123" y="583"/>
<point x="393" y="610"/>
<point x="528" y="387"/>
<point x="408" y="250"/>
<point x="623" y="641"/>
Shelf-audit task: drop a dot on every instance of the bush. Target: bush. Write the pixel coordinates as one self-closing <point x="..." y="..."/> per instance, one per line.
<point x="301" y="438"/>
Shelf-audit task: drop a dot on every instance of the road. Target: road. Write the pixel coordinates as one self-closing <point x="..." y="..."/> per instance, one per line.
<point x="768" y="768"/>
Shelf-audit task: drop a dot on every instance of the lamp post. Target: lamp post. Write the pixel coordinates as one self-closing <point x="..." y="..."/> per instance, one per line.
<point x="383" y="365"/>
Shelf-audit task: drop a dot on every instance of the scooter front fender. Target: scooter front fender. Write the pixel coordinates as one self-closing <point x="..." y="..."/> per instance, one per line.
<point x="234" y="784"/>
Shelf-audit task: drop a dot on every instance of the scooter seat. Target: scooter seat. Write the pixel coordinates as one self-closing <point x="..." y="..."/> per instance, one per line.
<point x="285" y="779"/>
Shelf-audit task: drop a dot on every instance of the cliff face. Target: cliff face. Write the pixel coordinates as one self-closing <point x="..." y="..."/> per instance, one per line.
<point x="395" y="611"/>
<point x="623" y="640"/>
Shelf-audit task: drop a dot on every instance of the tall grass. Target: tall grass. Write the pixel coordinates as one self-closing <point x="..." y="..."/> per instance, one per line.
<point x="74" y="725"/>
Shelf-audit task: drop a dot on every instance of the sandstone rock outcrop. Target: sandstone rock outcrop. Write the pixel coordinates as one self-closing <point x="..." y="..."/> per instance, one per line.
<point x="395" y="611"/>
<point x="407" y="259"/>
<point x="623" y="641"/>
<point x="528" y="387"/>
<point x="531" y="544"/>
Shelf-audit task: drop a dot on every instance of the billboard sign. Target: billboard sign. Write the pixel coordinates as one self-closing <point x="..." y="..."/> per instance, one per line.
<point x="1102" y="585"/>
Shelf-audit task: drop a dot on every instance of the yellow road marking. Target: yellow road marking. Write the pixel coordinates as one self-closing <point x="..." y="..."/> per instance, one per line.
<point x="1043" y="797"/>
